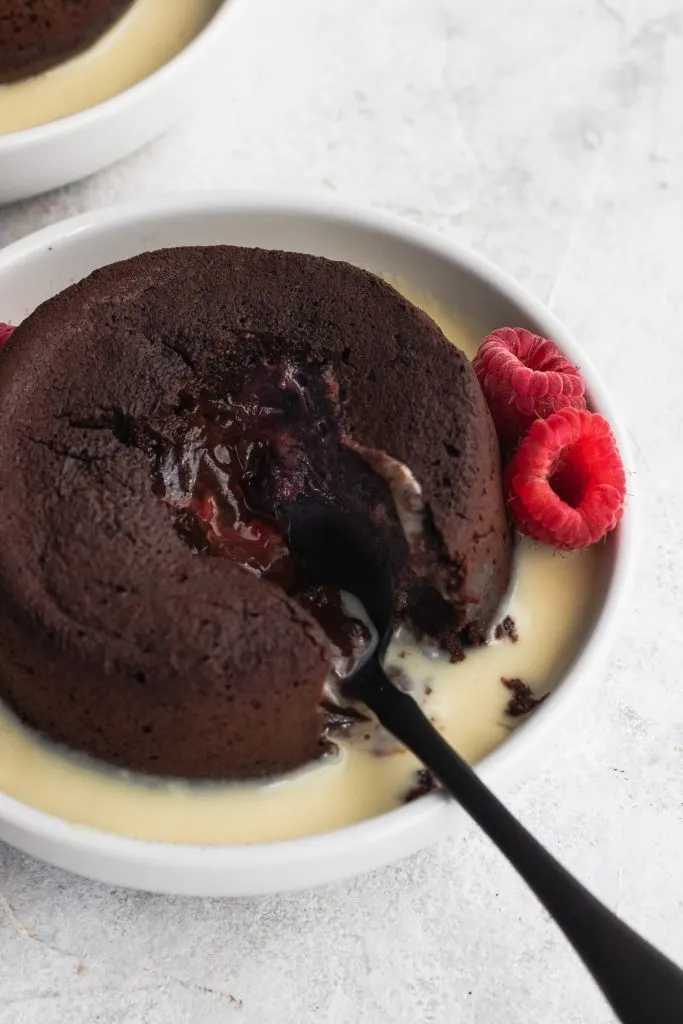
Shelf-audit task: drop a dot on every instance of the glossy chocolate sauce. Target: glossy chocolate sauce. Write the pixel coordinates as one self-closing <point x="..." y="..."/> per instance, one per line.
<point x="349" y="637"/>
<point x="229" y="463"/>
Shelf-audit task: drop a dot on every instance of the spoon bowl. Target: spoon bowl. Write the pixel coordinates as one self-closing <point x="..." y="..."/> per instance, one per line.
<point x="333" y="546"/>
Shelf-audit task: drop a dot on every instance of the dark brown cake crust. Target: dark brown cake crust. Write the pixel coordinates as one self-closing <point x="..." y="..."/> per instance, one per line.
<point x="114" y="638"/>
<point x="38" y="34"/>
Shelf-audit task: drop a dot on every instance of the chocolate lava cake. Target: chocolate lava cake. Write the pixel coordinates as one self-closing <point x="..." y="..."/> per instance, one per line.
<point x="156" y="419"/>
<point x="37" y="34"/>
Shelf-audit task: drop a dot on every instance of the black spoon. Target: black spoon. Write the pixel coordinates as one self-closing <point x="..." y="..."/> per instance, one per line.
<point x="640" y="983"/>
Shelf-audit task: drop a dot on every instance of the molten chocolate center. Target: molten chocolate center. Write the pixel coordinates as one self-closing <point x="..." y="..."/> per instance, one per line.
<point x="231" y="461"/>
<point x="227" y="463"/>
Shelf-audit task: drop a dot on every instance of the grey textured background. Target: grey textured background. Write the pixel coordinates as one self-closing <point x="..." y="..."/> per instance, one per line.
<point x="548" y="136"/>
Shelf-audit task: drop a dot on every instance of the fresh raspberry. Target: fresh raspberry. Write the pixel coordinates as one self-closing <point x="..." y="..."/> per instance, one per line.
<point x="566" y="483"/>
<point x="524" y="378"/>
<point x="6" y="331"/>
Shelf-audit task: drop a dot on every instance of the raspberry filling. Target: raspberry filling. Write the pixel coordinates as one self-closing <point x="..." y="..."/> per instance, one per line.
<point x="227" y="463"/>
<point x="232" y="460"/>
<point x="6" y="332"/>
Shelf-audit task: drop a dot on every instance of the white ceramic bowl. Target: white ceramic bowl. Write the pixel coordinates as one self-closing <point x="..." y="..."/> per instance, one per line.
<point x="54" y="154"/>
<point x="44" y="263"/>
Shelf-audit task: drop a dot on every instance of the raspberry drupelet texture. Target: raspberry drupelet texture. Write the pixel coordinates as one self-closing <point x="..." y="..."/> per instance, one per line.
<point x="566" y="484"/>
<point x="524" y="378"/>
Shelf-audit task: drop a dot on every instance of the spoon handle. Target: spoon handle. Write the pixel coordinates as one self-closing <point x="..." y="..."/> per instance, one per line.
<point x="641" y="984"/>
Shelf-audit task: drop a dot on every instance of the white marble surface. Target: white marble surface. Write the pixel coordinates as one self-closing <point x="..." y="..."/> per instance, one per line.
<point x="549" y="137"/>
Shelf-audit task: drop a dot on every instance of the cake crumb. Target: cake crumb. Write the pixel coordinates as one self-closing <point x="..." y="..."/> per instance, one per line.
<point x="424" y="783"/>
<point x="446" y="639"/>
<point x="450" y="641"/>
<point x="523" y="701"/>
<point x="475" y="636"/>
<point x="507" y="629"/>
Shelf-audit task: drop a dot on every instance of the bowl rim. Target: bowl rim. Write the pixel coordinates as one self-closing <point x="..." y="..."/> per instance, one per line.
<point x="420" y="813"/>
<point x="120" y="102"/>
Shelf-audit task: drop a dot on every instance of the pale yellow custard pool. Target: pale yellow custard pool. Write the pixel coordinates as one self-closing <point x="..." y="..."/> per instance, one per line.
<point x="142" y="41"/>
<point x="551" y="605"/>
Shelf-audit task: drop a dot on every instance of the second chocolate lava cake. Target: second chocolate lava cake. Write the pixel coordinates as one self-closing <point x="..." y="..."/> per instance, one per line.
<point x="37" y="34"/>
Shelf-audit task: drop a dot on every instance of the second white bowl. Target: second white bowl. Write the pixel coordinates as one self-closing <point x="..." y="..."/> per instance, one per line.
<point x="51" y="155"/>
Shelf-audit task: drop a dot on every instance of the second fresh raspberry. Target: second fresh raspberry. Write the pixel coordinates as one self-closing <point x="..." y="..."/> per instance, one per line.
<point x="566" y="484"/>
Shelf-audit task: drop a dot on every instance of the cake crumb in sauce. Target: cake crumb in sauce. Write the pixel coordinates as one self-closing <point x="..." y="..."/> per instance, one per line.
<point x="522" y="701"/>
<point x="424" y="783"/>
<point x="451" y="642"/>
<point x="507" y="629"/>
